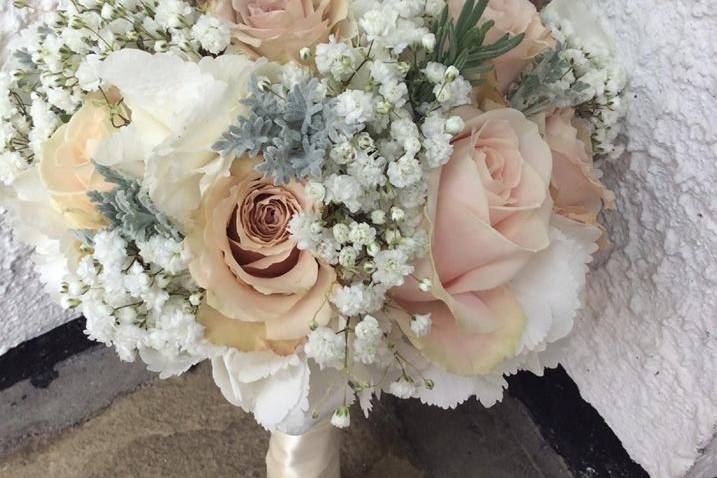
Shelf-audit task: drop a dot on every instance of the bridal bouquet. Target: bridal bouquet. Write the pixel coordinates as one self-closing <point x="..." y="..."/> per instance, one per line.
<point x="328" y="199"/>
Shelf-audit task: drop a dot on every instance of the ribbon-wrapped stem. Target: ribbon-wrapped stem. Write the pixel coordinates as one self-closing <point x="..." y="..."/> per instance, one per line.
<point x="315" y="454"/>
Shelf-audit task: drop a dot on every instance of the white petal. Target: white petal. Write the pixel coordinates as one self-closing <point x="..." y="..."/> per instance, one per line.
<point x="549" y="288"/>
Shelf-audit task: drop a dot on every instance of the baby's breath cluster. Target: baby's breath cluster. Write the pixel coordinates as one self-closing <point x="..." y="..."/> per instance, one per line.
<point x="55" y="63"/>
<point x="370" y="192"/>
<point x="582" y="73"/>
<point x="139" y="298"/>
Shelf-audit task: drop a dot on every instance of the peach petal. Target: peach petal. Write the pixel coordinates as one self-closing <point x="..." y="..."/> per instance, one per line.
<point x="295" y="323"/>
<point x="468" y="354"/>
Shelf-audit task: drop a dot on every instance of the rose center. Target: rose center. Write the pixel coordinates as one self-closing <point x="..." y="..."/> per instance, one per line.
<point x="264" y="214"/>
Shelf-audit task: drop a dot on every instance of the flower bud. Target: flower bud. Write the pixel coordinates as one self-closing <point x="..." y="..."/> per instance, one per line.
<point x="454" y="125"/>
<point x="397" y="214"/>
<point x="428" y="41"/>
<point x="451" y="74"/>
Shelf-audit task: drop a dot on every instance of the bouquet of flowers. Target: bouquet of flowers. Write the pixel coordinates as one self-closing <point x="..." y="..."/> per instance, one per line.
<point x="328" y="199"/>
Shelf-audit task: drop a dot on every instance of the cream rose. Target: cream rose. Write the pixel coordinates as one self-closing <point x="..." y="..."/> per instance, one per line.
<point x="261" y="287"/>
<point x="575" y="186"/>
<point x="489" y="208"/>
<point x="512" y="17"/>
<point x="278" y="29"/>
<point x="66" y="167"/>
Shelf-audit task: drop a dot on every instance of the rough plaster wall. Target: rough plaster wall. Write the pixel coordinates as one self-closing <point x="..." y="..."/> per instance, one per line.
<point x="25" y="311"/>
<point x="645" y="351"/>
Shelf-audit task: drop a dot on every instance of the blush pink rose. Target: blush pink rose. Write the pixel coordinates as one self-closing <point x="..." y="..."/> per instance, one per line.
<point x="575" y="186"/>
<point x="489" y="208"/>
<point x="260" y="288"/>
<point x="513" y="17"/>
<point x="278" y="29"/>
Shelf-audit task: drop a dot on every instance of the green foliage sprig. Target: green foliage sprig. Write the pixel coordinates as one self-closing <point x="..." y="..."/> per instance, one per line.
<point x="129" y="208"/>
<point x="461" y="43"/>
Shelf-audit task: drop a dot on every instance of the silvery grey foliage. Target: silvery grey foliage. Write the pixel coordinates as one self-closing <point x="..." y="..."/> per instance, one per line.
<point x="129" y="209"/>
<point x="291" y="132"/>
<point x="549" y="83"/>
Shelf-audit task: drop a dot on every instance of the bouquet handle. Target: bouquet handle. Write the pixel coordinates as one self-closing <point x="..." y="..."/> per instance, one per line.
<point x="314" y="454"/>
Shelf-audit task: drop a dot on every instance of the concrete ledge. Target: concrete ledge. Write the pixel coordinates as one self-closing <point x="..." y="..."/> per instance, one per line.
<point x="74" y="390"/>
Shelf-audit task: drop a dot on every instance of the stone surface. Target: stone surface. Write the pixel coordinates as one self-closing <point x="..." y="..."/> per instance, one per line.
<point x="78" y="388"/>
<point x="644" y="352"/>
<point x="183" y="427"/>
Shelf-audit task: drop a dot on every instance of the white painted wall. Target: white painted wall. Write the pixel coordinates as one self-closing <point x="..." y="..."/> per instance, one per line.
<point x="25" y="311"/>
<point x="645" y="351"/>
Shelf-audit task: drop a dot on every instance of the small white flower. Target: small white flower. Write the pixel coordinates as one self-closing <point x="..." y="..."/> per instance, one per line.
<point x="326" y="347"/>
<point x="397" y="214"/>
<point x="404" y="172"/>
<point x="391" y="267"/>
<point x="402" y="388"/>
<point x="336" y="58"/>
<point x="368" y="328"/>
<point x="347" y="257"/>
<point x="361" y="234"/>
<point x="428" y="41"/>
<point x="315" y="191"/>
<point x="396" y="93"/>
<point x="303" y="229"/>
<point x="368" y="345"/>
<point x="355" y="106"/>
<point x="421" y="324"/>
<point x="378" y="217"/>
<point x="341" y="417"/>
<point x="351" y="300"/>
<point x="454" y="125"/>
<point x="434" y="72"/>
<point x="341" y="233"/>
<point x="343" y="189"/>
<point x="169" y="13"/>
<point x="437" y="150"/>
<point x="211" y="33"/>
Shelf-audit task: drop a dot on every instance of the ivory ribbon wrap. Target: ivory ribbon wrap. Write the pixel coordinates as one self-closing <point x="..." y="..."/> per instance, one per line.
<point x="315" y="454"/>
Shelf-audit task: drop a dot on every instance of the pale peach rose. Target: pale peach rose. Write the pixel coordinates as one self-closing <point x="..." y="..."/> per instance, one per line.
<point x="513" y="17"/>
<point x="489" y="208"/>
<point x="262" y="290"/>
<point x="278" y="29"/>
<point x="66" y="167"/>
<point x="575" y="186"/>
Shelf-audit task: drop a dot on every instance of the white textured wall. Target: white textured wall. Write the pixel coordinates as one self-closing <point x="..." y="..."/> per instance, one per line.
<point x="645" y="352"/>
<point x="25" y="311"/>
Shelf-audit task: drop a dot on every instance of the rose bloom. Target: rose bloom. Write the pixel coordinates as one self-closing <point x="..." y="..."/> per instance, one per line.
<point x="489" y="209"/>
<point x="66" y="167"/>
<point x="262" y="291"/>
<point x="513" y="17"/>
<point x="278" y="29"/>
<point x="575" y="186"/>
